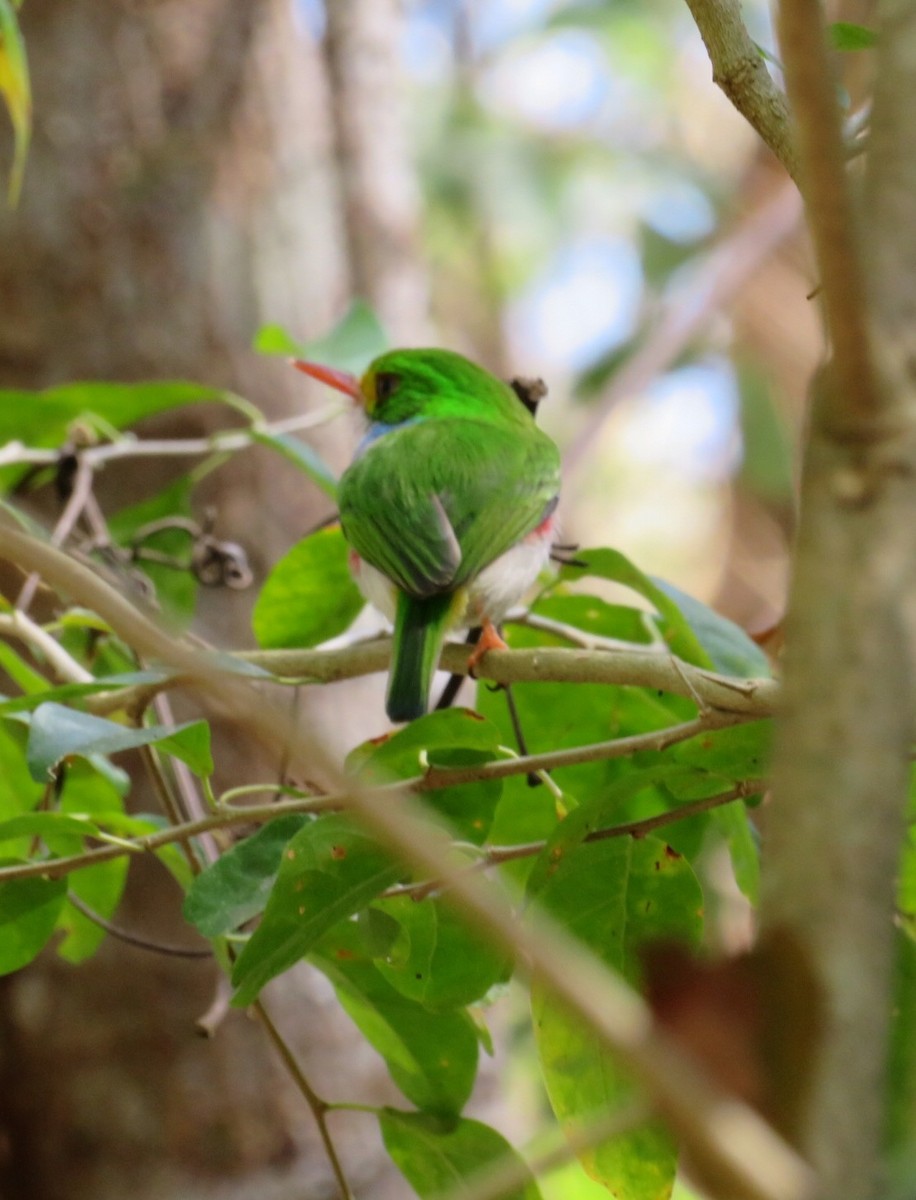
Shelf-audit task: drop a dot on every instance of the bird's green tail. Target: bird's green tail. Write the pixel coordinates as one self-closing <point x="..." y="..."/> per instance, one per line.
<point x="418" y="632"/>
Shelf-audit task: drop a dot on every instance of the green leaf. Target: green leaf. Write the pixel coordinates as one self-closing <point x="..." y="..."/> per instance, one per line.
<point x="16" y="92"/>
<point x="901" y="1082"/>
<point x="673" y="626"/>
<point x="454" y="737"/>
<point x="730" y="649"/>
<point x="72" y="691"/>
<point x="399" y="755"/>
<point x="593" y="615"/>
<point x="330" y="870"/>
<point x="47" y="824"/>
<point x="767" y="464"/>
<point x="301" y="455"/>
<point x="555" y="716"/>
<point x="615" y="896"/>
<point x="740" y="752"/>
<point x="56" y="732"/>
<point x="309" y="596"/>
<point x="32" y="682"/>
<point x="19" y="793"/>
<point x="436" y="958"/>
<point x="350" y="346"/>
<point x="52" y="411"/>
<point x="235" y="888"/>
<point x="846" y="36"/>
<point x="436" y="1156"/>
<point x="432" y="1057"/>
<point x="906" y="882"/>
<point x="88" y="796"/>
<point x="28" y="913"/>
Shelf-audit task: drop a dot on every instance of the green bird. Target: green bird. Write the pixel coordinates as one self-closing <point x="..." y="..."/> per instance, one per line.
<point x="448" y="505"/>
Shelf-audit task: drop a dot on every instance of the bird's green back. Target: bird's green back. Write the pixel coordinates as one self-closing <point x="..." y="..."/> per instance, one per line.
<point x="453" y="472"/>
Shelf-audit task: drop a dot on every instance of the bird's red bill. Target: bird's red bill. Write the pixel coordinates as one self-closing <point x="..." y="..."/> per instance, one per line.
<point x="343" y="381"/>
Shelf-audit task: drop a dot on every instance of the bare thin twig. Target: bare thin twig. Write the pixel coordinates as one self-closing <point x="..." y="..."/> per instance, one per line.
<point x="496" y="855"/>
<point x="318" y="1106"/>
<point x="225" y="441"/>
<point x="135" y="939"/>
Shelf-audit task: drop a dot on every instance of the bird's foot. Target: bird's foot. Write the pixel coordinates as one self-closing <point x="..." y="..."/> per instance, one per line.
<point x="489" y="640"/>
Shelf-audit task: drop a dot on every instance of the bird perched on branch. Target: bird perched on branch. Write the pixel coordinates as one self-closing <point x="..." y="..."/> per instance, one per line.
<point x="448" y="505"/>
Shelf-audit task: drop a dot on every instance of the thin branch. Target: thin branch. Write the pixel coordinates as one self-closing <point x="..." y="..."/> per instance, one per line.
<point x="546" y="664"/>
<point x="134" y="939"/>
<point x="572" y="756"/>
<point x="73" y="509"/>
<point x="740" y="71"/>
<point x="319" y="1107"/>
<point x="496" y="855"/>
<point x="813" y="90"/>
<point x="434" y="779"/>
<point x="750" y="1159"/>
<point x="736" y="1145"/>
<point x="225" y="441"/>
<point x="21" y="626"/>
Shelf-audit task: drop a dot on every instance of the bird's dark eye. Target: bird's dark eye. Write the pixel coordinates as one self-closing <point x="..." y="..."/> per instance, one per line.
<point x="385" y="384"/>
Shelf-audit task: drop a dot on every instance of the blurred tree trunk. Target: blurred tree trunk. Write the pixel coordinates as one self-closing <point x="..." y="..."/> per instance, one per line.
<point x="381" y="198"/>
<point x="182" y="188"/>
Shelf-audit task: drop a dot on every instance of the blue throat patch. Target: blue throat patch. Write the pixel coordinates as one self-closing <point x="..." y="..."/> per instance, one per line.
<point x="376" y="430"/>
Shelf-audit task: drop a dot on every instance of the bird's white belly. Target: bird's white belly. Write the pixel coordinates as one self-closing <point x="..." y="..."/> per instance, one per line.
<point x="491" y="594"/>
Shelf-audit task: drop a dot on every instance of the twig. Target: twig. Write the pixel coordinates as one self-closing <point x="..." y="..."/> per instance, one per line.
<point x="742" y="1151"/>
<point x="318" y="1106"/>
<point x="134" y="939"/>
<point x="583" y="639"/>
<point x="497" y="855"/>
<point x="546" y="664"/>
<point x="21" y="626"/>
<point x="434" y="779"/>
<point x="82" y="490"/>
<point x="571" y="756"/>
<point x="226" y="441"/>
<point x="740" y="71"/>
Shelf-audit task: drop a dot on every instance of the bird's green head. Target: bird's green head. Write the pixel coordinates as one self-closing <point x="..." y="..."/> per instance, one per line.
<point x="402" y="385"/>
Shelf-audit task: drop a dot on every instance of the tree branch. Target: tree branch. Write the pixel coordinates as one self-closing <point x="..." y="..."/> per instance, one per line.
<point x="432" y="780"/>
<point x="813" y="87"/>
<point x="547" y="664"/>
<point x="740" y="71"/>
<point x="841" y="764"/>
<point x="495" y="855"/>
<point x="734" y="1142"/>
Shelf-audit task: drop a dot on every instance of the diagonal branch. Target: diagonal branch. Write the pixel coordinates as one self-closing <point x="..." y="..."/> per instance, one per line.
<point x="740" y="71"/>
<point x="735" y="1143"/>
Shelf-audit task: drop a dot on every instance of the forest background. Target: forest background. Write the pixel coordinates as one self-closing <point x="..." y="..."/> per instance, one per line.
<point x="554" y="189"/>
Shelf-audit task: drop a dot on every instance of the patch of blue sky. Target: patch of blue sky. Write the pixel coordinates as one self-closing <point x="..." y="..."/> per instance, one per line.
<point x="558" y="82"/>
<point x="687" y="423"/>
<point x="311" y="15"/>
<point x="495" y="22"/>
<point x="427" y="46"/>
<point x="679" y="211"/>
<point x="582" y="305"/>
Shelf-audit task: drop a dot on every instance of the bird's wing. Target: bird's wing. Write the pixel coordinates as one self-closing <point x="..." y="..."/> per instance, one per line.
<point x="431" y="504"/>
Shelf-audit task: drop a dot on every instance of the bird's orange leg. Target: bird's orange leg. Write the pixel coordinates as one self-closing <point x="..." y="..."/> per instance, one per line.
<point x="489" y="640"/>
